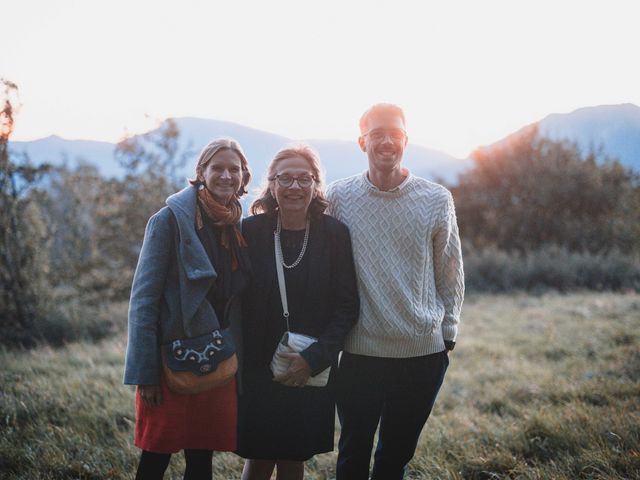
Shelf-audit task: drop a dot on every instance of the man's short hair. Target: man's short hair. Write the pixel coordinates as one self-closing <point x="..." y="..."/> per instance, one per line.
<point x="380" y="109"/>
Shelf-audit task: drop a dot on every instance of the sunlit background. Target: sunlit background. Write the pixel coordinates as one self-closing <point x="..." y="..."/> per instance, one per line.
<point x="466" y="72"/>
<point x="545" y="378"/>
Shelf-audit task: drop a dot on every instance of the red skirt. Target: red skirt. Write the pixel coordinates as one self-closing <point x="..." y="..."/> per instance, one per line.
<point x="206" y="421"/>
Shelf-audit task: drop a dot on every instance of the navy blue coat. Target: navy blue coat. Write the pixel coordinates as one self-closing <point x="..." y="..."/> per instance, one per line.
<point x="331" y="298"/>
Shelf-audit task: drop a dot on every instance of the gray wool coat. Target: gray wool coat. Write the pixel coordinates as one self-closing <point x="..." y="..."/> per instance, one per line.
<point x="170" y="285"/>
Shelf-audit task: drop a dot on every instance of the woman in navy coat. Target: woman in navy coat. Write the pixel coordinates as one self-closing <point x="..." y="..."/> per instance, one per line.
<point x="282" y="422"/>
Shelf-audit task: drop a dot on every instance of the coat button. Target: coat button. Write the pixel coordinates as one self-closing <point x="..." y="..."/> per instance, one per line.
<point x="188" y="241"/>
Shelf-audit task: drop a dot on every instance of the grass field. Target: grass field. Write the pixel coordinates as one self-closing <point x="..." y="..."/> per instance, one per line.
<point x="538" y="387"/>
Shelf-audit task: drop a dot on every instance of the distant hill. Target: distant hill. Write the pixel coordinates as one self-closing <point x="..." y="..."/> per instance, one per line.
<point x="612" y="130"/>
<point x="339" y="158"/>
<point x="615" y="128"/>
<point x="57" y="150"/>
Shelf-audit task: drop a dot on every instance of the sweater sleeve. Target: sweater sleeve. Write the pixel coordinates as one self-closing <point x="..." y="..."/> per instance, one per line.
<point x="449" y="275"/>
<point x="331" y="198"/>
<point x="142" y="363"/>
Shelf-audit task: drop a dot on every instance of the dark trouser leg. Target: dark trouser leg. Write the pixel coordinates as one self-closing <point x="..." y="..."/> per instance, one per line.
<point x="359" y="399"/>
<point x="198" y="464"/>
<point x="152" y="465"/>
<point x="405" y="412"/>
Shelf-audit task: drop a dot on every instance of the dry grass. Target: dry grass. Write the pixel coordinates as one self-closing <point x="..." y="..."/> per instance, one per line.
<point x="539" y="387"/>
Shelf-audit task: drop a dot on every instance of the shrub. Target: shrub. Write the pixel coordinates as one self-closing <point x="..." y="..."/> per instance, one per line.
<point x="493" y="270"/>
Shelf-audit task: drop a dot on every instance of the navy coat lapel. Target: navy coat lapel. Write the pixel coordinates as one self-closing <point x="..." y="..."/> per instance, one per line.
<point x="315" y="252"/>
<point x="269" y="255"/>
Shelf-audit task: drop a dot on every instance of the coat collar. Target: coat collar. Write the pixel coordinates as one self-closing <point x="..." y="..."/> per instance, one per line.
<point x="199" y="273"/>
<point x="193" y="255"/>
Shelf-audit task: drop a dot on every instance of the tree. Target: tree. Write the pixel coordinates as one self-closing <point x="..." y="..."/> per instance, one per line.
<point x="72" y="200"/>
<point x="68" y="247"/>
<point x="22" y="233"/>
<point x="531" y="192"/>
<point x="155" y="155"/>
<point x="98" y="223"/>
<point x="151" y="162"/>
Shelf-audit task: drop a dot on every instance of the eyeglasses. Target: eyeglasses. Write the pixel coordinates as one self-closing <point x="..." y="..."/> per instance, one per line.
<point x="378" y="134"/>
<point x="285" y="180"/>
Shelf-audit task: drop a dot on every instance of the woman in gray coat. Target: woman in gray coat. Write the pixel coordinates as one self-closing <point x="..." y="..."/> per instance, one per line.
<point x="192" y="268"/>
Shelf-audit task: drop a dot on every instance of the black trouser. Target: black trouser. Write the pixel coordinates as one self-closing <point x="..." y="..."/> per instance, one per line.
<point x="153" y="465"/>
<point x="398" y="393"/>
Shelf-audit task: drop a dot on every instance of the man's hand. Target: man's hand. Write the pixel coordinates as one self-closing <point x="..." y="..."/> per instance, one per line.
<point x="449" y="345"/>
<point x="151" y="394"/>
<point x="298" y="372"/>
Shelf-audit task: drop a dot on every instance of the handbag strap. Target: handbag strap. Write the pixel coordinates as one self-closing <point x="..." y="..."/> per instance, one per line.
<point x="280" y="264"/>
<point x="281" y="282"/>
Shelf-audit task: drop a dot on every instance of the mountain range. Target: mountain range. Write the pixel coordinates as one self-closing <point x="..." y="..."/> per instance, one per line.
<point x="615" y="129"/>
<point x="339" y="158"/>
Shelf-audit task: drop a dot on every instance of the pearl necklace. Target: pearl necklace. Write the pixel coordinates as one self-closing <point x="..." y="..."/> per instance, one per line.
<point x="279" y="245"/>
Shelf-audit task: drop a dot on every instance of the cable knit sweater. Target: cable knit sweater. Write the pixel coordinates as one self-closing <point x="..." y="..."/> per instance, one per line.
<point x="409" y="265"/>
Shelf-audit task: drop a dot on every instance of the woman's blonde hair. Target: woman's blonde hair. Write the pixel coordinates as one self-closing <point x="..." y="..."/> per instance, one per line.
<point x="266" y="203"/>
<point x="215" y="146"/>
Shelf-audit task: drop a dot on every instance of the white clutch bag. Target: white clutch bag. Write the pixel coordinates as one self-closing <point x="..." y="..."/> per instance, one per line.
<point x="295" y="343"/>
<point x="292" y="342"/>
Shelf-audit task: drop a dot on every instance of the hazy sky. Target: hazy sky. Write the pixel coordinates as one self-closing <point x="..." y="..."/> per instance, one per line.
<point x="466" y="72"/>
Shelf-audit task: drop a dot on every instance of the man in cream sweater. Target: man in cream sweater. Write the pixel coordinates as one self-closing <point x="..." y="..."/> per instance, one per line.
<point x="410" y="278"/>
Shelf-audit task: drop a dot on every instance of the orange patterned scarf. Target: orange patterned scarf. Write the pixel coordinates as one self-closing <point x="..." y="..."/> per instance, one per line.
<point x="221" y="215"/>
